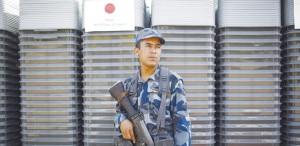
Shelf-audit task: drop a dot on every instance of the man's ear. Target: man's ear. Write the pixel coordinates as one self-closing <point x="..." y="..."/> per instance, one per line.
<point x="136" y="51"/>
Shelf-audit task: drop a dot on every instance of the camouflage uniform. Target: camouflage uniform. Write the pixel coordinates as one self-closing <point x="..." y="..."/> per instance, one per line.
<point x="177" y="120"/>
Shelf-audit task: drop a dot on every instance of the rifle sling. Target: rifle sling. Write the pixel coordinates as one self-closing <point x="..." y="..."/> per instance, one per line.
<point x="164" y="87"/>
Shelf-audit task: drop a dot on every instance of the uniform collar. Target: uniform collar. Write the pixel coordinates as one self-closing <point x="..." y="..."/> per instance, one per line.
<point x="154" y="76"/>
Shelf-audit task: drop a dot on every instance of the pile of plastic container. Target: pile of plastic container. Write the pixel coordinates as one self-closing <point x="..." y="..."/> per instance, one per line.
<point x="240" y="68"/>
<point x="51" y="80"/>
<point x="47" y="14"/>
<point x="290" y="77"/>
<point x="9" y="75"/>
<point x="107" y="57"/>
<point x="248" y="72"/>
<point x="188" y="28"/>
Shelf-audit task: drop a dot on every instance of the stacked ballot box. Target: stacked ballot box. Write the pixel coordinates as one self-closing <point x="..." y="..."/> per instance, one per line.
<point x="248" y="73"/>
<point x="9" y="87"/>
<point x="51" y="87"/>
<point x="51" y="72"/>
<point x="290" y="86"/>
<point x="189" y="51"/>
<point x="9" y="74"/>
<point x="290" y="77"/>
<point x="107" y="58"/>
<point x="248" y="86"/>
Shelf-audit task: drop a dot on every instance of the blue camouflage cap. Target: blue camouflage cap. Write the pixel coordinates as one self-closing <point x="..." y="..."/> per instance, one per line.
<point x="148" y="33"/>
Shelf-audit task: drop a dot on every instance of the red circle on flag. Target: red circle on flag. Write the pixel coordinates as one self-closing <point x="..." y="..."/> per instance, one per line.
<point x="109" y="8"/>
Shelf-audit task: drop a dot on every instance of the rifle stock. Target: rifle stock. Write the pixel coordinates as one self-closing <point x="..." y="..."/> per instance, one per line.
<point x="140" y="129"/>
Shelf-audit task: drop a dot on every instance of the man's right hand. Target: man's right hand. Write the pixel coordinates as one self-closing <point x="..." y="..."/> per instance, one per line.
<point x="126" y="128"/>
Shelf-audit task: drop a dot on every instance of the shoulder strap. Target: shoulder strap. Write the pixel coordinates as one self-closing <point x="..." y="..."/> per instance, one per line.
<point x="164" y="88"/>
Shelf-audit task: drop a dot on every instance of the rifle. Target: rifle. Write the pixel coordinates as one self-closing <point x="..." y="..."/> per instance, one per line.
<point x="140" y="129"/>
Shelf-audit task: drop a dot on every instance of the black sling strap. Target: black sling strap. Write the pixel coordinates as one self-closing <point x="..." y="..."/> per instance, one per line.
<point x="164" y="87"/>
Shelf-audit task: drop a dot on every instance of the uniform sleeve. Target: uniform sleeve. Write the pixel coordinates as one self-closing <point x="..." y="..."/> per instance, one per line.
<point x="120" y="116"/>
<point x="181" y="118"/>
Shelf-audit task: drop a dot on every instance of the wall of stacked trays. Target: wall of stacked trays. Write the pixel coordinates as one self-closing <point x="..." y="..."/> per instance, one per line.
<point x="239" y="60"/>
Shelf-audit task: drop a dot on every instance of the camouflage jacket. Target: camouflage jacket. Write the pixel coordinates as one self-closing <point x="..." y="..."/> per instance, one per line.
<point x="147" y="101"/>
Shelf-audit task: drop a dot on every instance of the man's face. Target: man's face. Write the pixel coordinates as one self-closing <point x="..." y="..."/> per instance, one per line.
<point x="149" y="52"/>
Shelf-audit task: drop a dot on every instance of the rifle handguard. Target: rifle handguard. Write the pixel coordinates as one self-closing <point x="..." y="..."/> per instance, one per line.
<point x="117" y="90"/>
<point x="118" y="93"/>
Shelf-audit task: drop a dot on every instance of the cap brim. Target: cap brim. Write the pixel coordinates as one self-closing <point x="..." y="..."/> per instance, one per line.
<point x="162" y="40"/>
